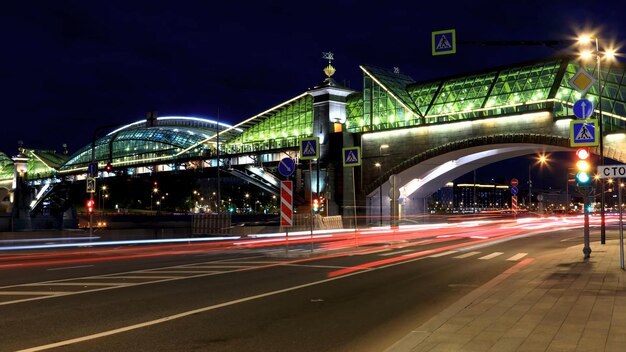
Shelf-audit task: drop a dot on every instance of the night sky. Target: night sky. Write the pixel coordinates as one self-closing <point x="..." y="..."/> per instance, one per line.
<point x="68" y="67"/>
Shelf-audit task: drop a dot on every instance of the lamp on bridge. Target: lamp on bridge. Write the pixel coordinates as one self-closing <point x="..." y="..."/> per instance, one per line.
<point x="541" y="160"/>
<point x="379" y="165"/>
<point x="587" y="52"/>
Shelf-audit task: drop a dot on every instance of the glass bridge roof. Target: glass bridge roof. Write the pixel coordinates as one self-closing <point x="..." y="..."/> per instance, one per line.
<point x="173" y="137"/>
<point x="393" y="100"/>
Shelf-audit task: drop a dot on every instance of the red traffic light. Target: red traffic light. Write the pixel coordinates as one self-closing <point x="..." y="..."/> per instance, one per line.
<point x="582" y="153"/>
<point x="90" y="205"/>
<point x="109" y="167"/>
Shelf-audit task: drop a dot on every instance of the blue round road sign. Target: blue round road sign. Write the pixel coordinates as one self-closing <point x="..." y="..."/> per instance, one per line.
<point x="514" y="190"/>
<point x="286" y="167"/>
<point x="583" y="109"/>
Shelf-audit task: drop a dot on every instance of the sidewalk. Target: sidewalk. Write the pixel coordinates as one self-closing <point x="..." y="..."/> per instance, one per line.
<point x="557" y="302"/>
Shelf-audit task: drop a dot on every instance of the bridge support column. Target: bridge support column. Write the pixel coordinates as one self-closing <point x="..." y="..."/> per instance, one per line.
<point x="21" y="195"/>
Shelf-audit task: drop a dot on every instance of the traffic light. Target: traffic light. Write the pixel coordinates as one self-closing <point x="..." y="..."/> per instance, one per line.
<point x="109" y="167"/>
<point x="316" y="204"/>
<point x="582" y="166"/>
<point x="90" y="205"/>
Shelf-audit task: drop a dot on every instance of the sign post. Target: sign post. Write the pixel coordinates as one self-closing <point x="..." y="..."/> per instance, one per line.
<point x="514" y="191"/>
<point x="309" y="150"/>
<point x="583" y="133"/>
<point x="286" y="209"/>
<point x="444" y="42"/>
<point x="352" y="158"/>
<point x="618" y="172"/>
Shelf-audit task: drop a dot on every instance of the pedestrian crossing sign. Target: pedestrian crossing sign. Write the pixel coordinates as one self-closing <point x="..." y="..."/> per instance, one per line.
<point x="583" y="133"/>
<point x="91" y="185"/>
<point x="351" y="156"/>
<point x="444" y="42"/>
<point x="309" y="148"/>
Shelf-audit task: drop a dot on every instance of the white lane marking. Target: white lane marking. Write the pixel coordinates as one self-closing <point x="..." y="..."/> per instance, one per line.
<point x="70" y="267"/>
<point x="213" y="266"/>
<point x="202" y="310"/>
<point x="83" y="284"/>
<point x="174" y="271"/>
<point x="517" y="257"/>
<point x="31" y="293"/>
<point x="397" y="252"/>
<point x="491" y="256"/>
<point x="466" y="255"/>
<point x="373" y="252"/>
<point x="318" y="266"/>
<point x="442" y="254"/>
<point x="145" y="277"/>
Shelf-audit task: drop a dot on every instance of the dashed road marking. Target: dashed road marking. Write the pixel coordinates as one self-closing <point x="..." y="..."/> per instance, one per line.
<point x="466" y="255"/>
<point x="491" y="256"/>
<point x="517" y="257"/>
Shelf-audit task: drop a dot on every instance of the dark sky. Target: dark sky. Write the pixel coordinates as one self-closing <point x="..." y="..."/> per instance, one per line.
<point x="69" y="66"/>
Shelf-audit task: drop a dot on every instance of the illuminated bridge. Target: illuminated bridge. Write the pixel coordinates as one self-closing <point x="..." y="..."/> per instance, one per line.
<point x="433" y="132"/>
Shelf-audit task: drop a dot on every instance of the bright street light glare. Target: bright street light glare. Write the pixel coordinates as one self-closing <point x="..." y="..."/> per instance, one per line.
<point x="609" y="54"/>
<point x="585" y="55"/>
<point x="584" y="39"/>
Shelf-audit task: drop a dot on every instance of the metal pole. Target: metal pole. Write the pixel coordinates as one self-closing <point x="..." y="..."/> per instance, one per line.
<point x="602" y="218"/>
<point x="219" y="189"/>
<point x="586" y="248"/>
<point x="380" y="187"/>
<point x="530" y="187"/>
<point x="311" y="200"/>
<point x="354" y="205"/>
<point x="621" y="224"/>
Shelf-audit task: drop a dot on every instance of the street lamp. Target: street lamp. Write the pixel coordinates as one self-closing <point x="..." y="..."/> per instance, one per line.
<point x="542" y="159"/>
<point x="379" y="165"/>
<point x="609" y="54"/>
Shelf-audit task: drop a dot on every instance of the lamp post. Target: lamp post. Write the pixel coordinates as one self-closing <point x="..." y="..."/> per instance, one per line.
<point x="586" y="40"/>
<point x="542" y="159"/>
<point x="380" y="187"/>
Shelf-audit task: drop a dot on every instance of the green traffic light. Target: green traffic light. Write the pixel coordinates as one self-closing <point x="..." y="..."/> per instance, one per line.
<point x="583" y="177"/>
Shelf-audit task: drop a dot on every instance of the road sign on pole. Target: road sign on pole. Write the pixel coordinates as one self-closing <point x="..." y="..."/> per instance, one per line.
<point x="286" y="203"/>
<point x="583" y="133"/>
<point x="514" y="190"/>
<point x="91" y="185"/>
<point x="351" y="156"/>
<point x="514" y="182"/>
<point x="583" y="109"/>
<point x="612" y="171"/>
<point x="286" y="167"/>
<point x="92" y="170"/>
<point x="444" y="42"/>
<point x="310" y="148"/>
<point x="582" y="81"/>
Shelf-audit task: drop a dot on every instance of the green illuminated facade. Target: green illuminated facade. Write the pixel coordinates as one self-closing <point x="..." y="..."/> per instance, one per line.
<point x="389" y="100"/>
<point x="393" y="100"/>
<point x="279" y="128"/>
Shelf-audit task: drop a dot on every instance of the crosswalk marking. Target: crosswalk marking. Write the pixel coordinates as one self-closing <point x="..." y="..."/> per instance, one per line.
<point x="466" y="255"/>
<point x="491" y="256"/>
<point x="517" y="257"/>
<point x="442" y="254"/>
<point x="397" y="252"/>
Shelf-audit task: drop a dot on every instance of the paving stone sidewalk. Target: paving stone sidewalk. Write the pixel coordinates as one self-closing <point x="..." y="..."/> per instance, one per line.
<point x="557" y="302"/>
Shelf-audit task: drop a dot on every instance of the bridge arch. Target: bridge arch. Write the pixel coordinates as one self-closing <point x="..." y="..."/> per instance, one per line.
<point x="424" y="173"/>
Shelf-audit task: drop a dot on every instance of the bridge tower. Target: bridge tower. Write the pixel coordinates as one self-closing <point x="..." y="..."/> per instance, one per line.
<point x="329" y="115"/>
<point x="20" y="192"/>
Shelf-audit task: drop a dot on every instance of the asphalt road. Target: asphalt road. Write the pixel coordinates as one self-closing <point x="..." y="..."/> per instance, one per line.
<point x="251" y="300"/>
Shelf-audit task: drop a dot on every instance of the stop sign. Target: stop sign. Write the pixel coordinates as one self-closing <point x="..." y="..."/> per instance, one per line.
<point x="514" y="182"/>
